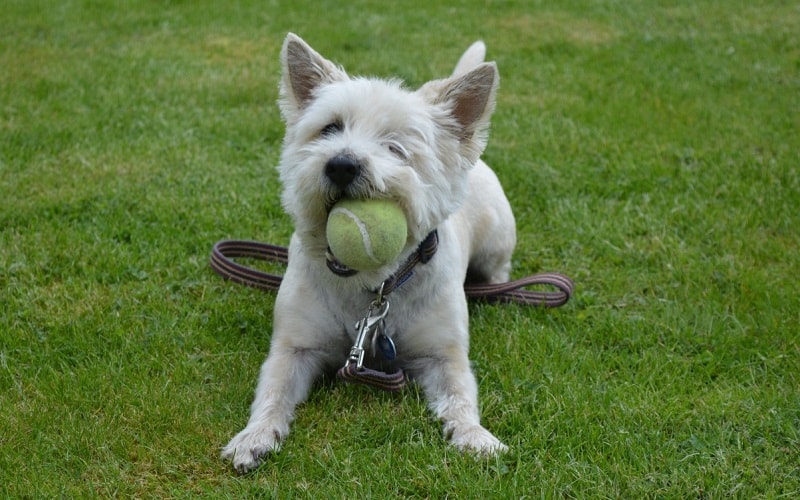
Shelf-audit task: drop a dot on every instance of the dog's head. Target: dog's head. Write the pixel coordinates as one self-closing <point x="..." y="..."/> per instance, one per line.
<point x="370" y="138"/>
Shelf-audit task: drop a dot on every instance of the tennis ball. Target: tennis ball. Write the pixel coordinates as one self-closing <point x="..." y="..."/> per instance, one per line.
<point x="366" y="234"/>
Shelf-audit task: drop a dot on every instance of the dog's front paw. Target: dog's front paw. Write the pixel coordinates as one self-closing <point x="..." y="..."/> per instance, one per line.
<point x="477" y="440"/>
<point x="248" y="448"/>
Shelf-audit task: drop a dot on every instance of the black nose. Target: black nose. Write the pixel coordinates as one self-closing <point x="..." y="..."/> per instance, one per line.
<point x="342" y="170"/>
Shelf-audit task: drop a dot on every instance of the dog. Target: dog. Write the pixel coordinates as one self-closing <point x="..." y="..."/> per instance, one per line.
<point x="371" y="138"/>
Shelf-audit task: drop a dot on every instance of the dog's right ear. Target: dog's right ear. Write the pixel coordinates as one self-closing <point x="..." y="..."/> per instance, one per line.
<point x="304" y="70"/>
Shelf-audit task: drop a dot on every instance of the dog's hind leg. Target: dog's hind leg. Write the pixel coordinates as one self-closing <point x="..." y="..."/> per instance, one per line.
<point x="492" y="233"/>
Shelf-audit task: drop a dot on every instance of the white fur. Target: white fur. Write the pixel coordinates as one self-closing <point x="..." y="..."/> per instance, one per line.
<point x="422" y="150"/>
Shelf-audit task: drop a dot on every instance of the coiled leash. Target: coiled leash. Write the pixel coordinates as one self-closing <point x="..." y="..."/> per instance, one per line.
<point x="370" y="329"/>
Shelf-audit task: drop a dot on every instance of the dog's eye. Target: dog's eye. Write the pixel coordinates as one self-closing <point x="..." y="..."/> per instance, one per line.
<point x="331" y="129"/>
<point x="397" y="150"/>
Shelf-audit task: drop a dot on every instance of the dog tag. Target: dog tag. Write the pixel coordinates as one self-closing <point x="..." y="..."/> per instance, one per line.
<point x="385" y="345"/>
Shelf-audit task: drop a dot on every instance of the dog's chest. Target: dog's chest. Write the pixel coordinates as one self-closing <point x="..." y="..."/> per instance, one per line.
<point x="389" y="320"/>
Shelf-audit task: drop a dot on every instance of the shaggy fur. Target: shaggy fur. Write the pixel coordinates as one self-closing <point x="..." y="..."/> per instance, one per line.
<point x="421" y="149"/>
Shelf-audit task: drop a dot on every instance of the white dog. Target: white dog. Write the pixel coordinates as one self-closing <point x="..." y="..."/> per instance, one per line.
<point x="370" y="138"/>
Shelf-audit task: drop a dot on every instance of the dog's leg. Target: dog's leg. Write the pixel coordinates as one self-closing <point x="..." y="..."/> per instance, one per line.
<point x="492" y="233"/>
<point x="286" y="376"/>
<point x="440" y="365"/>
<point x="452" y="394"/>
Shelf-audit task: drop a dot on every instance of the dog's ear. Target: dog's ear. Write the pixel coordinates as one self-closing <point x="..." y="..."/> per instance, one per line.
<point x="473" y="56"/>
<point x="470" y="98"/>
<point x="304" y="70"/>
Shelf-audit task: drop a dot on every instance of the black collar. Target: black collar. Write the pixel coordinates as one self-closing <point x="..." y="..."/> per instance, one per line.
<point x="425" y="252"/>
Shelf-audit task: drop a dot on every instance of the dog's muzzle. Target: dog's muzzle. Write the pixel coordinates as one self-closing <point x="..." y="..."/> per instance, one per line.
<point x="342" y="170"/>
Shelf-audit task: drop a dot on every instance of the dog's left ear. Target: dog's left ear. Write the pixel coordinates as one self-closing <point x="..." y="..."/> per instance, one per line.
<point x="304" y="70"/>
<point x="470" y="98"/>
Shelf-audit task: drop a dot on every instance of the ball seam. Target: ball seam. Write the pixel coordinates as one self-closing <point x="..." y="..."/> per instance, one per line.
<point x="362" y="228"/>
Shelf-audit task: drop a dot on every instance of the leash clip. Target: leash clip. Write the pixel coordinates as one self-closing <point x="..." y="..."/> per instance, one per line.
<point x="366" y="328"/>
<point x="371" y="327"/>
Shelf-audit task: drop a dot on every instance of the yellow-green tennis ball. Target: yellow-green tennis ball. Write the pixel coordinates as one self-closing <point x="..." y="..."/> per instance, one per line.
<point x="366" y="234"/>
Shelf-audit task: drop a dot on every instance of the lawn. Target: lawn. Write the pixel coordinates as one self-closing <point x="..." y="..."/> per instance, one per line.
<point x="651" y="151"/>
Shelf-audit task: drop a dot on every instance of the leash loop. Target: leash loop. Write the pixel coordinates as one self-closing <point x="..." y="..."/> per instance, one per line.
<point x="224" y="251"/>
<point x="504" y="293"/>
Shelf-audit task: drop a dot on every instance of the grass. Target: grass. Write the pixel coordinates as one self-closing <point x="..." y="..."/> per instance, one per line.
<point x="650" y="151"/>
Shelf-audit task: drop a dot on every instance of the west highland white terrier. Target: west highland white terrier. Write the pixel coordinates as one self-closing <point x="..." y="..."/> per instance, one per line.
<point x="366" y="138"/>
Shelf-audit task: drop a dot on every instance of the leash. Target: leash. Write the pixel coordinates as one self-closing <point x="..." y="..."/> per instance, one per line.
<point x="371" y="326"/>
<point x="510" y="292"/>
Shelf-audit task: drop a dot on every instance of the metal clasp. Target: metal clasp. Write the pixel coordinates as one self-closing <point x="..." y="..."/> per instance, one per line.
<point x="366" y="327"/>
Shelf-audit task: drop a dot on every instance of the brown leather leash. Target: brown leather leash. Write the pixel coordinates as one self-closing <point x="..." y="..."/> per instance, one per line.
<point x="510" y="292"/>
<point x="371" y="325"/>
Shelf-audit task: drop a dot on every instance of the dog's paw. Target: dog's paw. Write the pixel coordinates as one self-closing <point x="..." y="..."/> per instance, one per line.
<point x="478" y="441"/>
<point x="248" y="448"/>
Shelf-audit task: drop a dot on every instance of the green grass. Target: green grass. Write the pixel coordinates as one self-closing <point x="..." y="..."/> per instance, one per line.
<point x="650" y="150"/>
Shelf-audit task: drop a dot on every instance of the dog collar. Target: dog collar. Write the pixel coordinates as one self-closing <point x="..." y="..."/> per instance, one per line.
<point x="425" y="252"/>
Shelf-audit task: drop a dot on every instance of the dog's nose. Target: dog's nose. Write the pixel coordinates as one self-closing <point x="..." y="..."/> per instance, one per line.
<point x="342" y="170"/>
